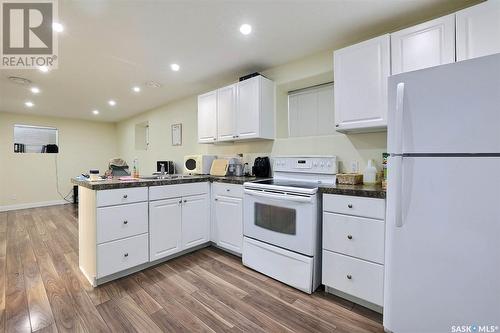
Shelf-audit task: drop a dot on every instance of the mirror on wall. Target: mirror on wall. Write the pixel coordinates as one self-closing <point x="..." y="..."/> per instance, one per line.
<point x="36" y="139"/>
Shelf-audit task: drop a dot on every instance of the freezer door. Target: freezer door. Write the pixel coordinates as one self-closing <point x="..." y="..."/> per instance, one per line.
<point x="442" y="247"/>
<point x="452" y="108"/>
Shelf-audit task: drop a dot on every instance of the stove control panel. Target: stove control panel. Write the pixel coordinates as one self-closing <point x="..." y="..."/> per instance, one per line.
<point x="311" y="164"/>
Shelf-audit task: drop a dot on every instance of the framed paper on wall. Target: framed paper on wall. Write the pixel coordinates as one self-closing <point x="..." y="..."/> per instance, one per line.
<point x="176" y="134"/>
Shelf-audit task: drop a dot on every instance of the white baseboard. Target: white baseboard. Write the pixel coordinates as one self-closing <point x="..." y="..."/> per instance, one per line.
<point x="32" y="205"/>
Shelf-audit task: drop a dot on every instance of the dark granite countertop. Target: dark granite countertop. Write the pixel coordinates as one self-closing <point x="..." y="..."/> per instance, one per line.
<point x="115" y="183"/>
<point x="370" y="191"/>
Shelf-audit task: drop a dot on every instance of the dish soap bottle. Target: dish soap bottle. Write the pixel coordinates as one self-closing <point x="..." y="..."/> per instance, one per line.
<point x="135" y="170"/>
<point x="370" y="174"/>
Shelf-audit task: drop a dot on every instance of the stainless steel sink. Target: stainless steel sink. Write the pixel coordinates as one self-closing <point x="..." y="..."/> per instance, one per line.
<point x="167" y="177"/>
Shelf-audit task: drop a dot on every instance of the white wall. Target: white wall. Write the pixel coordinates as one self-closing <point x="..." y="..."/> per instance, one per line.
<point x="30" y="179"/>
<point x="309" y="71"/>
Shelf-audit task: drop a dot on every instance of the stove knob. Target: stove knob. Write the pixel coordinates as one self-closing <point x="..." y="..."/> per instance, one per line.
<point x="315" y="164"/>
<point x="322" y="164"/>
<point x="329" y="164"/>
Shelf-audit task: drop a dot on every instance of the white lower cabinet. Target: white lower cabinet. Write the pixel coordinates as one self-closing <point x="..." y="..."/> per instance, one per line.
<point x="119" y="255"/>
<point x="228" y="216"/>
<point x="195" y="221"/>
<point x="353" y="248"/>
<point x="177" y="224"/>
<point x="164" y="228"/>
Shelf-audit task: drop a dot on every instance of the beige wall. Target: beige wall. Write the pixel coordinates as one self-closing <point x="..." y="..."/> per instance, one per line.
<point x="31" y="178"/>
<point x="312" y="70"/>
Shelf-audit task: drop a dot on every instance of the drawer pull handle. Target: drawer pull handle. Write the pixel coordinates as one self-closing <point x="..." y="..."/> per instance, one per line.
<point x="216" y="199"/>
<point x="349" y="236"/>
<point x="349" y="276"/>
<point x="125" y="196"/>
<point x="349" y="205"/>
<point x="125" y="255"/>
<point x="228" y="190"/>
<point x="125" y="222"/>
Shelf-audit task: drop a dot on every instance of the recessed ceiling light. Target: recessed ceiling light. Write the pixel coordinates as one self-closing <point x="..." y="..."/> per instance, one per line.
<point x="175" y="67"/>
<point x="43" y="69"/>
<point x="111" y="102"/>
<point x="57" y="27"/>
<point x="245" y="29"/>
<point x="29" y="104"/>
<point x="136" y="89"/>
<point x="96" y="112"/>
<point x="35" y="90"/>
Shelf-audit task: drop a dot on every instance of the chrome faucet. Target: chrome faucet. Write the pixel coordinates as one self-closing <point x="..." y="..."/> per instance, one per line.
<point x="162" y="169"/>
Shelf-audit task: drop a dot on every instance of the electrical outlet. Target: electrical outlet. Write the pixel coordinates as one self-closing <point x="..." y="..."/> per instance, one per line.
<point x="354" y="167"/>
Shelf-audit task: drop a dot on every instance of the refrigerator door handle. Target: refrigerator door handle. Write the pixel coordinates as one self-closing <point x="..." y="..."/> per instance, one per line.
<point x="398" y="131"/>
<point x="397" y="172"/>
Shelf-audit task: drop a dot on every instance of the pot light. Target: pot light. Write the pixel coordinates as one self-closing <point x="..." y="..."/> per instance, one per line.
<point x="29" y="104"/>
<point x="57" y="27"/>
<point x="245" y="29"/>
<point x="96" y="112"/>
<point x="111" y="102"/>
<point x="35" y="90"/>
<point x="175" y="67"/>
<point x="43" y="69"/>
<point x="136" y="89"/>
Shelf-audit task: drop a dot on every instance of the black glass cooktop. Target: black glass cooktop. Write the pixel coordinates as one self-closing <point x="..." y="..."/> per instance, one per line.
<point x="288" y="183"/>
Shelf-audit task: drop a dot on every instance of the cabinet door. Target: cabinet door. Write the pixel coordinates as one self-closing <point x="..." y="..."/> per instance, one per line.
<point x="207" y="117"/>
<point x="248" y="108"/>
<point x="164" y="228"/>
<point x="195" y="221"/>
<point x="478" y="30"/>
<point x="229" y="222"/>
<point x="360" y="87"/>
<point x="226" y="113"/>
<point x="425" y="45"/>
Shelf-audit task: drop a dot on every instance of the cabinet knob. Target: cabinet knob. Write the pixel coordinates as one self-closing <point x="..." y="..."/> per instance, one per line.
<point x="216" y="199"/>
<point x="349" y="236"/>
<point x="125" y="196"/>
<point x="180" y="201"/>
<point x="125" y="255"/>
<point x="185" y="201"/>
<point x="228" y="190"/>
<point x="215" y="139"/>
<point x="125" y="222"/>
<point x="349" y="276"/>
<point x="349" y="205"/>
<point x="336" y="125"/>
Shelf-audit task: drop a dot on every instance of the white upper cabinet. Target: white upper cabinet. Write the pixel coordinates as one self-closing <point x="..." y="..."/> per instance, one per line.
<point x="360" y="85"/>
<point x="478" y="30"/>
<point x="244" y="110"/>
<point x="207" y="117"/>
<point x="226" y="113"/>
<point x="425" y="45"/>
<point x="255" y="108"/>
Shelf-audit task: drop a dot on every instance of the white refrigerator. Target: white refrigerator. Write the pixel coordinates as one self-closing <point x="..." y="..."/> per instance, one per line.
<point x="442" y="264"/>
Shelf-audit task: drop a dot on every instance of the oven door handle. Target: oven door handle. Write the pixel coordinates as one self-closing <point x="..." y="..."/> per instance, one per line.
<point x="284" y="196"/>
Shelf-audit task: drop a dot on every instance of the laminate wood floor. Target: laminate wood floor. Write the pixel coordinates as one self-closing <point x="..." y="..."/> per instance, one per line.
<point x="42" y="290"/>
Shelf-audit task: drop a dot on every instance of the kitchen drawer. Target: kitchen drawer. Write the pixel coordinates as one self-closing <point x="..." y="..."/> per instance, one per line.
<point x="177" y="190"/>
<point x="353" y="276"/>
<point x="228" y="190"/>
<point x="121" y="254"/>
<point x="117" y="222"/>
<point x="121" y="196"/>
<point x="351" y="205"/>
<point x="354" y="236"/>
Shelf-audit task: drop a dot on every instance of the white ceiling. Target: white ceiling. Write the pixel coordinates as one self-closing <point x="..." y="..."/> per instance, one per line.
<point x="109" y="46"/>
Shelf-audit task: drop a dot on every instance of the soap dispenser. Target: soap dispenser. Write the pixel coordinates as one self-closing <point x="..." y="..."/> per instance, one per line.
<point x="370" y="174"/>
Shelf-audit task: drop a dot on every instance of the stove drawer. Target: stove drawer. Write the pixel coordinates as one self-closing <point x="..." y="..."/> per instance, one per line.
<point x="351" y="205"/>
<point x="353" y="276"/>
<point x="355" y="236"/>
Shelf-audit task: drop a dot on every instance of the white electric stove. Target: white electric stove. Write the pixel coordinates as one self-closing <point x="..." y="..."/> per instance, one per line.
<point x="282" y="220"/>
